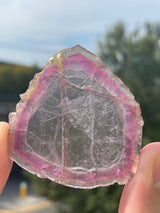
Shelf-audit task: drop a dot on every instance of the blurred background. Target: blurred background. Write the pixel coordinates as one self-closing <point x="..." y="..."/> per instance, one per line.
<point x="124" y="34"/>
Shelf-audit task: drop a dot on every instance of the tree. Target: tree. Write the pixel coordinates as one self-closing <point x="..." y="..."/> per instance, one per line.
<point x="135" y="58"/>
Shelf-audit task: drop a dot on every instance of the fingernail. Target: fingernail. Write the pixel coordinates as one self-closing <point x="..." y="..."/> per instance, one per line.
<point x="156" y="173"/>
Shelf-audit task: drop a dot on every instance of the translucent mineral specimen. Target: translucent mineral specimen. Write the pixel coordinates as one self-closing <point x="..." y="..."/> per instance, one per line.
<point x="77" y="124"/>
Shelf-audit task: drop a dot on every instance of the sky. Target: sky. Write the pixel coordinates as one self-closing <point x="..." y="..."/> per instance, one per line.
<point x="31" y="31"/>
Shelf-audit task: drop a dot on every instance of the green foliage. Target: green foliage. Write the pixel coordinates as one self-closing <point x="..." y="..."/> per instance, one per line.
<point x="14" y="79"/>
<point x="135" y="58"/>
<point x="99" y="200"/>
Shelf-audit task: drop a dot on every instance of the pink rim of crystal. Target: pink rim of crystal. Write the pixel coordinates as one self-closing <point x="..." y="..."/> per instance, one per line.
<point x="63" y="175"/>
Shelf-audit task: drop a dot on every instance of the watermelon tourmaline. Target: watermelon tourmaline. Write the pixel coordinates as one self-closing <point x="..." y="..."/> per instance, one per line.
<point x="77" y="124"/>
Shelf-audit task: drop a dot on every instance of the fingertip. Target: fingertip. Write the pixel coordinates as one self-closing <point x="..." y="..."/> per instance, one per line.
<point x="154" y="146"/>
<point x="139" y="195"/>
<point x="4" y="124"/>
<point x="5" y="162"/>
<point x="4" y="127"/>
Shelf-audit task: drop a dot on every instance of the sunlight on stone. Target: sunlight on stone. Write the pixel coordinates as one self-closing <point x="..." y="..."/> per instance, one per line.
<point x="77" y="124"/>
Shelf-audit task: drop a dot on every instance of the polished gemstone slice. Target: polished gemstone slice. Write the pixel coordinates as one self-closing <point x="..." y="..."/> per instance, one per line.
<point x="77" y="124"/>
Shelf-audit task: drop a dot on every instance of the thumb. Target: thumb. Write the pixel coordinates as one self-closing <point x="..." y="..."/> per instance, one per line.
<point x="5" y="162"/>
<point x="142" y="193"/>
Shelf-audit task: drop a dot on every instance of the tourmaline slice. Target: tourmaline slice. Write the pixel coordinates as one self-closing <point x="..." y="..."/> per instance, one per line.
<point x="77" y="124"/>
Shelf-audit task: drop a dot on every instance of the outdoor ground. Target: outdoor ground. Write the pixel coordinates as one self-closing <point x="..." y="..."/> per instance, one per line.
<point x="10" y="201"/>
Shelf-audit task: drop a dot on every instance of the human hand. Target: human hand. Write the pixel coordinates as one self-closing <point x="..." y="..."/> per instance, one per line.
<point x="5" y="162"/>
<point x="142" y="193"/>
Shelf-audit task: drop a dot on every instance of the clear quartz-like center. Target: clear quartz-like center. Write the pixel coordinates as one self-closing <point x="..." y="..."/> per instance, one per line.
<point x="79" y="126"/>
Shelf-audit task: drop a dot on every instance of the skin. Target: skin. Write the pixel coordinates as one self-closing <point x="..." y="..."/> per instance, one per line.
<point x="141" y="194"/>
<point x="5" y="162"/>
